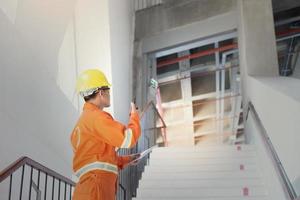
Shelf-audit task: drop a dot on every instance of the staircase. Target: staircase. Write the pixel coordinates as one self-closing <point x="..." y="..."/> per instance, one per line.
<point x="209" y="172"/>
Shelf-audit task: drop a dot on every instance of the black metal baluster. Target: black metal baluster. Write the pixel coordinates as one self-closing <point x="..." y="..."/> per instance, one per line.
<point x="58" y="190"/>
<point x="53" y="188"/>
<point x="65" y="195"/>
<point x="30" y="184"/>
<point x="38" y="183"/>
<point x="70" y="192"/>
<point x="46" y="180"/>
<point x="22" y="179"/>
<point x="10" y="184"/>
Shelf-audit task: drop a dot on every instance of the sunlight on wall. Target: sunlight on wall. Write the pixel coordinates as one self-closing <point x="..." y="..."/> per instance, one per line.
<point x="9" y="7"/>
<point x="86" y="45"/>
<point x="67" y="69"/>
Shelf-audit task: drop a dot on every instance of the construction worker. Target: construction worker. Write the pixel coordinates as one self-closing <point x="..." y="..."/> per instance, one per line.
<point x="96" y="138"/>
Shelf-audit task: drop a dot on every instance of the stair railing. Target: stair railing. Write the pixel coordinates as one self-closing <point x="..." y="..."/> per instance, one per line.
<point x="17" y="186"/>
<point x="43" y="181"/>
<point x="129" y="178"/>
<point x="285" y="181"/>
<point x="148" y="106"/>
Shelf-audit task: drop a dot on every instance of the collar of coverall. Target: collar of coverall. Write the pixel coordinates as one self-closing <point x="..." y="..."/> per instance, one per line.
<point x="90" y="106"/>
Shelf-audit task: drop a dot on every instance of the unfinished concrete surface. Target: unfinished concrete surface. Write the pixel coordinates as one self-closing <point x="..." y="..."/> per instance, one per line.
<point x="178" y="13"/>
<point x="257" y="43"/>
<point x="158" y="21"/>
<point x="281" y="5"/>
<point x="296" y="62"/>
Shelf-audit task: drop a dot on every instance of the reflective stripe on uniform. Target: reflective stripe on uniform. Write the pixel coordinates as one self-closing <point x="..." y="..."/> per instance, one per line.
<point x="127" y="140"/>
<point x="97" y="165"/>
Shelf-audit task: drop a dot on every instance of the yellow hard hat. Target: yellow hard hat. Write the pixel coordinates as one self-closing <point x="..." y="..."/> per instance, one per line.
<point x="89" y="81"/>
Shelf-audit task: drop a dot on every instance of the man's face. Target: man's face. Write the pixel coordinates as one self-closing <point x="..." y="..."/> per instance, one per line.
<point x="105" y="97"/>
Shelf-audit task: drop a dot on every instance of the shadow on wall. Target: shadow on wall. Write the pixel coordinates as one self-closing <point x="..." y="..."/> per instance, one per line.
<point x="296" y="185"/>
<point x="36" y="116"/>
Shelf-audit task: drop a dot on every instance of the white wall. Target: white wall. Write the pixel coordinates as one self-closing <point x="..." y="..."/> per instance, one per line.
<point x="36" y="116"/>
<point x="44" y="45"/>
<point x="9" y="8"/>
<point x="86" y="45"/>
<point x="100" y="36"/>
<point x="277" y="102"/>
<point x="276" y="99"/>
<point x="121" y="33"/>
<point x="68" y="66"/>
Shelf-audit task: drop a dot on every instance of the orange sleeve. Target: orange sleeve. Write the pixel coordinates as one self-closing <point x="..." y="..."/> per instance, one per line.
<point x="115" y="133"/>
<point x="123" y="161"/>
<point x="134" y="125"/>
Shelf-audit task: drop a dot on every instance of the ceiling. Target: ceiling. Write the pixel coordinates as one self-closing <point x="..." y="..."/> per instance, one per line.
<point x="282" y="5"/>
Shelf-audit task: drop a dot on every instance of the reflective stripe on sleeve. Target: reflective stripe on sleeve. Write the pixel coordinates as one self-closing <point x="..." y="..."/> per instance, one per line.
<point x="127" y="140"/>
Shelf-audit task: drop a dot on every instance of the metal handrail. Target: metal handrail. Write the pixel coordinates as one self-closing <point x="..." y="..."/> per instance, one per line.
<point x="285" y="182"/>
<point x="133" y="179"/>
<point x="27" y="161"/>
<point x="151" y="103"/>
<point x="23" y="162"/>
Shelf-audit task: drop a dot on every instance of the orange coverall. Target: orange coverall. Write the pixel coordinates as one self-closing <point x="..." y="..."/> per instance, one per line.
<point x="95" y="140"/>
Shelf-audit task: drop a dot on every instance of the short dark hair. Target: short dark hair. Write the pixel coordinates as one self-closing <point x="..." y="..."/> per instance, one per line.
<point x="92" y="96"/>
<point x="87" y="98"/>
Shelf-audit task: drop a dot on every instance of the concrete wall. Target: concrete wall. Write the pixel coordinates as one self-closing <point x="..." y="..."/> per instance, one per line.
<point x="174" y="14"/>
<point x="102" y="38"/>
<point x="282" y="5"/>
<point x="156" y="29"/>
<point x="44" y="45"/>
<point x="280" y="118"/>
<point x="92" y="37"/>
<point x="274" y="98"/>
<point x="257" y="44"/>
<point x="296" y="61"/>
<point x="121" y="34"/>
<point x="36" y="116"/>
<point x="296" y="73"/>
<point x="222" y="22"/>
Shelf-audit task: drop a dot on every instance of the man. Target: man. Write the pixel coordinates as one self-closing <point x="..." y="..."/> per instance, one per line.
<point x="96" y="138"/>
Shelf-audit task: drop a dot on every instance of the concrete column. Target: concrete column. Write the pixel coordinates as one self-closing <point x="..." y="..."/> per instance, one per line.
<point x="188" y="133"/>
<point x="257" y="44"/>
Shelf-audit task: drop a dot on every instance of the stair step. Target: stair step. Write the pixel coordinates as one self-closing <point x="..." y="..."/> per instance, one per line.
<point x="207" y="152"/>
<point x="201" y="155"/>
<point x="205" y="167"/>
<point x="210" y="172"/>
<point x="206" y="148"/>
<point x="201" y="192"/>
<point x="200" y="183"/>
<point x="200" y="175"/>
<point x="204" y="198"/>
<point x="201" y="161"/>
